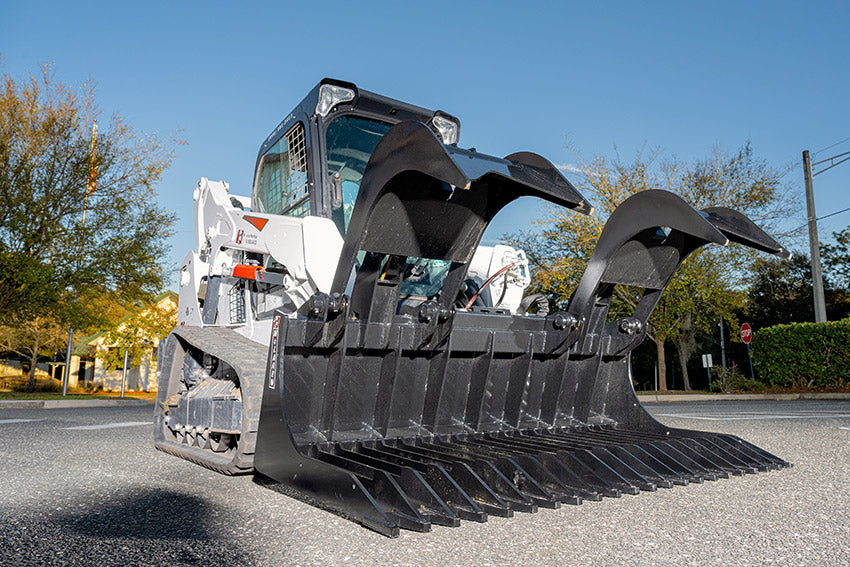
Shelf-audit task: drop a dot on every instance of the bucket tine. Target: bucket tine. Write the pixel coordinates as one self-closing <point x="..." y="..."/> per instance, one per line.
<point x="384" y="491"/>
<point x="678" y="461"/>
<point x="729" y="456"/>
<point x="428" y="501"/>
<point x="758" y="450"/>
<point x="484" y="495"/>
<point x="448" y="490"/>
<point x="509" y="471"/>
<point x="641" y="473"/>
<point x="523" y="464"/>
<point x="644" y="467"/>
<point x="629" y="469"/>
<point x="710" y="457"/>
<point x="745" y="451"/>
<point x="670" y="467"/>
<point x="696" y="458"/>
<point x="424" y="503"/>
<point x="574" y="483"/>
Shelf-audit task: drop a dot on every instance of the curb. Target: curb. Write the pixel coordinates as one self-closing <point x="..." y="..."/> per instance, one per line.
<point x="738" y="397"/>
<point x="60" y="404"/>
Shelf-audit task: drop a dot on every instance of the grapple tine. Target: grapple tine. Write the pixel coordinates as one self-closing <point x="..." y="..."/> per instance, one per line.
<point x="738" y="228"/>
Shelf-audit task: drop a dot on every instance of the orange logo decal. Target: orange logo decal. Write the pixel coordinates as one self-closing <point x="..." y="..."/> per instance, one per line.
<point x="256" y="221"/>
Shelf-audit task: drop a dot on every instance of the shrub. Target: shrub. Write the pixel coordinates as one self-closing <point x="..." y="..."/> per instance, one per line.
<point x="19" y="384"/>
<point x="804" y="355"/>
<point x="731" y="378"/>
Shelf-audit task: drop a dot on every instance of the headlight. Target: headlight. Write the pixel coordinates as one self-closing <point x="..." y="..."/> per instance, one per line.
<point x="448" y="129"/>
<point x="330" y="96"/>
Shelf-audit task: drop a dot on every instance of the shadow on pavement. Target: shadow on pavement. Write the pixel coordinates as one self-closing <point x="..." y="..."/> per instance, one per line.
<point x="151" y="529"/>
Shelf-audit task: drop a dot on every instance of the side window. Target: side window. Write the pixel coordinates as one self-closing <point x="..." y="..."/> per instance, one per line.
<point x="281" y="184"/>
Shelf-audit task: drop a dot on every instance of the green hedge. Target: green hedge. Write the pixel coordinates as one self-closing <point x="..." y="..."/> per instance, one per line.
<point x="803" y="354"/>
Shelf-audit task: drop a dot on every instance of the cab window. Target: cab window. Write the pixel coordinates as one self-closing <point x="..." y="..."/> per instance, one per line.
<point x="350" y="141"/>
<point x="281" y="184"/>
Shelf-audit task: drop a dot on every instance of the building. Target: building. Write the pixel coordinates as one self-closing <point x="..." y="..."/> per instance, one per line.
<point x="89" y="360"/>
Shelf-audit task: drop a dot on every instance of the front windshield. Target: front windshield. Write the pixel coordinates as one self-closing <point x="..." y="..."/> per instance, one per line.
<point x="350" y="141"/>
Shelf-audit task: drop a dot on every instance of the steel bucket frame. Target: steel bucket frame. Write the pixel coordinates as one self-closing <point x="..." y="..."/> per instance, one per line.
<point x="432" y="414"/>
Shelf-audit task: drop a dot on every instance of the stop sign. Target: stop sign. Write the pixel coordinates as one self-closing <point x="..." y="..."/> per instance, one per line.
<point x="746" y="333"/>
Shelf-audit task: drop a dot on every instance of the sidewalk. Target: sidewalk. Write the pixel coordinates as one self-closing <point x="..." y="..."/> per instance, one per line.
<point x="59" y="404"/>
<point x="735" y="397"/>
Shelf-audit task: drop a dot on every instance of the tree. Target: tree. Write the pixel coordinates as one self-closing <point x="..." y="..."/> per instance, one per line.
<point x="702" y="290"/>
<point x="138" y="331"/>
<point x="780" y="292"/>
<point x="79" y="222"/>
<point x="39" y="336"/>
<point x="836" y="258"/>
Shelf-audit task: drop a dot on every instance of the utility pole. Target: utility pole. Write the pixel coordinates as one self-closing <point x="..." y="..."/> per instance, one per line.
<point x="722" y="345"/>
<point x="814" y="245"/>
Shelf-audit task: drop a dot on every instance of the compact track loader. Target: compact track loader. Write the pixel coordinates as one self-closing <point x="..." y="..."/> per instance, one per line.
<point x="343" y="333"/>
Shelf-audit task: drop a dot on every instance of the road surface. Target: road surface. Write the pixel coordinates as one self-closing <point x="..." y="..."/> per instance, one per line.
<point x="86" y="487"/>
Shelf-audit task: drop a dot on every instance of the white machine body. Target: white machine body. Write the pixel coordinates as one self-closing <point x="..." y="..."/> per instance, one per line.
<point x="288" y="259"/>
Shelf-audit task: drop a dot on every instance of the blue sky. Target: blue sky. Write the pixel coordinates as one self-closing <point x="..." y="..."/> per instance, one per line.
<point x="680" y="76"/>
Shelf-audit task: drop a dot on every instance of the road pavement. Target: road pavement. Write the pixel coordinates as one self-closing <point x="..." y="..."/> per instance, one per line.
<point x="85" y="487"/>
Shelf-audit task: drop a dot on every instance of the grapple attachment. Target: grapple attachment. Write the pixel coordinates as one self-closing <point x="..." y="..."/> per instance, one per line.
<point x="401" y="414"/>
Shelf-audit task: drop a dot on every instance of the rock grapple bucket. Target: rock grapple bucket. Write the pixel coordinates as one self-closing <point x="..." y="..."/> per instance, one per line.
<point x="400" y="417"/>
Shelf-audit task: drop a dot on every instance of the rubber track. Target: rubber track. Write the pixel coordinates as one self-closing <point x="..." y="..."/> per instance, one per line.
<point x="248" y="359"/>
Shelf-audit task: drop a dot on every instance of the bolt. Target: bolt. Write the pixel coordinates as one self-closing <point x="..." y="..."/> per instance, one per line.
<point x="427" y="311"/>
<point x="564" y="320"/>
<point x="630" y="326"/>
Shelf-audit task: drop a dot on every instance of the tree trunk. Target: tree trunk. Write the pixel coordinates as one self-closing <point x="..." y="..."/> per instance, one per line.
<point x="683" y="363"/>
<point x="31" y="383"/>
<point x="33" y="365"/>
<point x="662" y="364"/>
<point x="685" y="345"/>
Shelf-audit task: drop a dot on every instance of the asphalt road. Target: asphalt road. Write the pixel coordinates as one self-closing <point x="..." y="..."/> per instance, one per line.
<point x="86" y="487"/>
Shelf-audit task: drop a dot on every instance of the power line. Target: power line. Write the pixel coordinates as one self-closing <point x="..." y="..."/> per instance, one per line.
<point x="830" y="158"/>
<point x="833" y="164"/>
<point x="823" y="217"/>
<point x="835" y="213"/>
<point x="832" y="146"/>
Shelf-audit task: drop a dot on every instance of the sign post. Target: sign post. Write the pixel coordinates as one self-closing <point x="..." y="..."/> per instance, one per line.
<point x="124" y="373"/>
<point x="706" y="363"/>
<point x="747" y="336"/>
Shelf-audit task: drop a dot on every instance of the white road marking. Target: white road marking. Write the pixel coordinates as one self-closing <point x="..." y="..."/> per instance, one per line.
<point x="5" y="421"/>
<point x="110" y="425"/>
<point x="755" y="417"/>
<point x="845" y="428"/>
